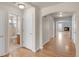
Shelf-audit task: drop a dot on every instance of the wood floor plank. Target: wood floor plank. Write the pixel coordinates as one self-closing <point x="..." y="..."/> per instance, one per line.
<point x="62" y="46"/>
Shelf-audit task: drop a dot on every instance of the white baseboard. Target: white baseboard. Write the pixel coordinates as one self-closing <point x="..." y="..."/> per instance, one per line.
<point x="41" y="47"/>
<point x="35" y="50"/>
<point x="46" y="42"/>
<point x="3" y="54"/>
<point x="7" y="52"/>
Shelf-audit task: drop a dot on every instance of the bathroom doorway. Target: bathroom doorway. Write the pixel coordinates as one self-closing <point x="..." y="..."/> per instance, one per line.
<point x="14" y="32"/>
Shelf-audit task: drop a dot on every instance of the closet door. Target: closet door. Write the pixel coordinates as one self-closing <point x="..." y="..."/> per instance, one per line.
<point x="2" y="32"/>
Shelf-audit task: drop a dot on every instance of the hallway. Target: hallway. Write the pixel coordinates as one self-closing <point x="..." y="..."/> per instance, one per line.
<point x="60" y="46"/>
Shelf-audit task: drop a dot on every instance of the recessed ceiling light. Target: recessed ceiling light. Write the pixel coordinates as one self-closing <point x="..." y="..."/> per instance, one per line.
<point x="60" y="14"/>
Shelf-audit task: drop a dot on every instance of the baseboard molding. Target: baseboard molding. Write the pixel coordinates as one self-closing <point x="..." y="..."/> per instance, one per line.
<point x="41" y="47"/>
<point x="35" y="50"/>
<point x="46" y="42"/>
<point x="3" y="54"/>
<point x="7" y="52"/>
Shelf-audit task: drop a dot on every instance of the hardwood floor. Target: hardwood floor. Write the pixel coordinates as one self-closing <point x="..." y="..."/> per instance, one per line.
<point x="61" y="46"/>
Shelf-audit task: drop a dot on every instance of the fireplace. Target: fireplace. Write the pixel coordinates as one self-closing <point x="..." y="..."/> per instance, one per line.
<point x="66" y="28"/>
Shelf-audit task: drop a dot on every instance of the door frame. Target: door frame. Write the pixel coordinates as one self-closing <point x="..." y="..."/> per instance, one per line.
<point x="5" y="33"/>
<point x="16" y="30"/>
<point x="74" y="30"/>
<point x="41" y="29"/>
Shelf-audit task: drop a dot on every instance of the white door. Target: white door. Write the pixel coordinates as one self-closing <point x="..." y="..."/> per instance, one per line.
<point x="2" y="32"/>
<point x="27" y="30"/>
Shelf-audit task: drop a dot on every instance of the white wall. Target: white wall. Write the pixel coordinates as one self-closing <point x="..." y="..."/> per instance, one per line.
<point x="48" y="28"/>
<point x="45" y="29"/>
<point x="31" y="25"/>
<point x="51" y="26"/>
<point x="65" y="7"/>
<point x="29" y="28"/>
<point x="3" y="40"/>
<point x="37" y="28"/>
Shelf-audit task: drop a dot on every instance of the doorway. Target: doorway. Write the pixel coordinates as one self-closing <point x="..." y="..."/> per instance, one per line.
<point x="14" y="31"/>
<point x="55" y="18"/>
<point x="63" y="29"/>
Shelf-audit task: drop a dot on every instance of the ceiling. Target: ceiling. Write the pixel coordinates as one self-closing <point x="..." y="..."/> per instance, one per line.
<point x="43" y="4"/>
<point x="37" y="4"/>
<point x="64" y="14"/>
